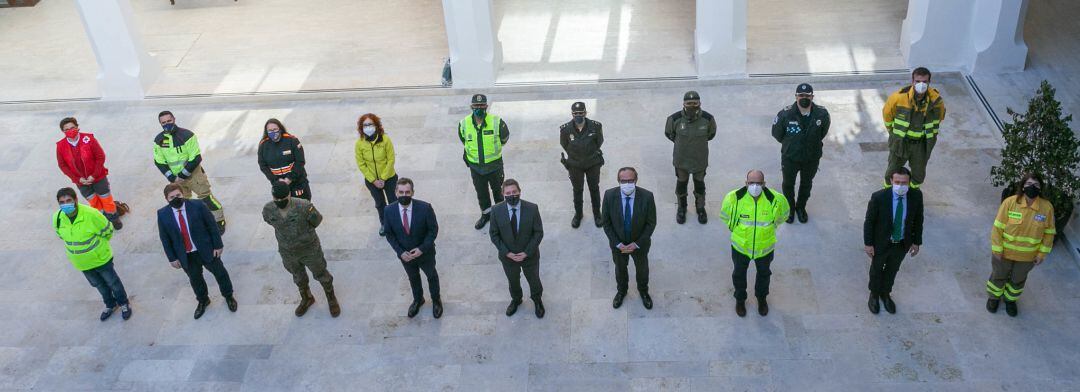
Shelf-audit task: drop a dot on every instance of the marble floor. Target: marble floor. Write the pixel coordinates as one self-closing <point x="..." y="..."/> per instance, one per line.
<point x="819" y="335"/>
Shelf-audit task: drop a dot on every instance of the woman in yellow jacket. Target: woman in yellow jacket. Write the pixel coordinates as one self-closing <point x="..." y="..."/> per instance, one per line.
<point x="1022" y="236"/>
<point x="375" y="158"/>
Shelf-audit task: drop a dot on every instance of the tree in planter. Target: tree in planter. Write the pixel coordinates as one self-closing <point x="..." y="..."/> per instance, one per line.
<point x="1040" y="141"/>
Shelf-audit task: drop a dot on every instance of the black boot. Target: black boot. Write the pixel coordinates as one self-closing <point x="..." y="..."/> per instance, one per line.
<point x="596" y="217"/>
<point x="576" y="222"/>
<point x="1010" y="308"/>
<point x="874" y="303"/>
<point x="992" y="304"/>
<point x="680" y="214"/>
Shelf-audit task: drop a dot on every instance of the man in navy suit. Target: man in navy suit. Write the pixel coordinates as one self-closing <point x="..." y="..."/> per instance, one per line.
<point x="192" y="240"/>
<point x="892" y="229"/>
<point x="411" y="228"/>
<point x="629" y="216"/>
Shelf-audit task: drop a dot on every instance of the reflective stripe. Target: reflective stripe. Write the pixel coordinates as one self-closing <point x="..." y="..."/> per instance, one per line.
<point x="755" y="223"/>
<point x="1043" y="249"/>
<point x="760" y="253"/>
<point x="1012" y="293"/>
<point x="998" y="224"/>
<point x="902" y="123"/>
<point x="282" y="170"/>
<point x="92" y="246"/>
<point x="993" y="289"/>
<point x="108" y="227"/>
<point x="996" y="249"/>
<point x="888" y="123"/>
<point x="1021" y="239"/>
<point x="80" y="243"/>
<point x="1020" y="248"/>
<point x="898" y="132"/>
<point x="1050" y="231"/>
<point x="1013" y="290"/>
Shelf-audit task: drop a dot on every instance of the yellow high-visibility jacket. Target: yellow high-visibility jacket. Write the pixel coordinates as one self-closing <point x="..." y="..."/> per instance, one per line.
<point x="1022" y="232"/>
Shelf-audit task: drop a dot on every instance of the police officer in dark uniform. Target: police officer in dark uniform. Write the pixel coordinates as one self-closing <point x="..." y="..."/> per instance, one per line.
<point x="690" y="129"/>
<point x="581" y="138"/>
<point x="483" y="135"/>
<point x="800" y="129"/>
<point x="281" y="158"/>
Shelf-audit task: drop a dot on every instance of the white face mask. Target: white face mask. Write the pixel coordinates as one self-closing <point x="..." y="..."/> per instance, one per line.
<point x="754" y="189"/>
<point x="921" y="87"/>
<point x="900" y="189"/>
<point x="627" y="189"/>
<point x="369" y="130"/>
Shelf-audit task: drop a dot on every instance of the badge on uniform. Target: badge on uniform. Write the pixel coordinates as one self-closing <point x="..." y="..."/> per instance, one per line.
<point x="775" y="120"/>
<point x="819" y="122"/>
<point x="1040" y="218"/>
<point x="682" y="126"/>
<point x="571" y="137"/>
<point x="86" y="139"/>
<point x="286" y="152"/>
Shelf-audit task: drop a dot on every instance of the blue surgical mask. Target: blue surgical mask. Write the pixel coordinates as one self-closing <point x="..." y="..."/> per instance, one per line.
<point x="274" y="135"/>
<point x="68" y="208"/>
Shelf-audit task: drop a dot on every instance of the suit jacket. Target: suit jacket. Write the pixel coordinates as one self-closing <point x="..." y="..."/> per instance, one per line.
<point x="642" y="220"/>
<point x="530" y="231"/>
<point x="878" y="226"/>
<point x="202" y="228"/>
<point x="423" y="228"/>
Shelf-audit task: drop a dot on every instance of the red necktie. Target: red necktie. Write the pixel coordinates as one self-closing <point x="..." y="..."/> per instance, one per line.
<point x="184" y="231"/>
<point x="405" y="220"/>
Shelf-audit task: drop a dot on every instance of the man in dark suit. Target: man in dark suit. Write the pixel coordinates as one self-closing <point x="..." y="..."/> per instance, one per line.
<point x="192" y="240"/>
<point x="893" y="228"/>
<point x="629" y="215"/>
<point x="411" y="228"/>
<point x="516" y="231"/>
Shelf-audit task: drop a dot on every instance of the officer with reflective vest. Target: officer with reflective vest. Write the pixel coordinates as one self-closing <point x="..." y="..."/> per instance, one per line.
<point x="484" y="134"/>
<point x="177" y="156"/>
<point x="752" y="214"/>
<point x="281" y="158"/>
<point x="86" y="234"/>
<point x="913" y="118"/>
<point x="1022" y="237"/>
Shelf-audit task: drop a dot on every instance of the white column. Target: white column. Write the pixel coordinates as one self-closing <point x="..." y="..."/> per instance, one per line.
<point x="965" y="35"/>
<point x="474" y="50"/>
<point x="720" y="38"/>
<point x="126" y="70"/>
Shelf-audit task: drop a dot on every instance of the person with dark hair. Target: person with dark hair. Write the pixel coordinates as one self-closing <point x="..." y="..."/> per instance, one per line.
<point x="281" y="158"/>
<point x="1021" y="238"/>
<point x="411" y="229"/>
<point x="629" y="215"/>
<point x="483" y="135"/>
<point x="191" y="240"/>
<point x="892" y="229"/>
<point x="913" y="118"/>
<point x="690" y="129"/>
<point x="581" y="138"/>
<point x="82" y="159"/>
<point x="516" y="230"/>
<point x="752" y="214"/>
<point x="294" y="221"/>
<point x="800" y="130"/>
<point x="86" y="234"/>
<point x="177" y="156"/>
<point x="375" y="158"/>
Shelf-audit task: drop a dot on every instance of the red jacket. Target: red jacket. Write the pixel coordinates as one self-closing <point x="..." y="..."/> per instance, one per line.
<point x="89" y="154"/>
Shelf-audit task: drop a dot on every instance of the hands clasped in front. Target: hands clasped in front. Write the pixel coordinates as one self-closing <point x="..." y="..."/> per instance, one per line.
<point x="411" y="255"/>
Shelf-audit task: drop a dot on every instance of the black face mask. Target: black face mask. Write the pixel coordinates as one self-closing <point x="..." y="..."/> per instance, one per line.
<point x="579" y="120"/>
<point x="404" y="200"/>
<point x="691" y="112"/>
<point x="512" y="199"/>
<point x="804" y="103"/>
<point x="281" y="203"/>
<point x="1031" y="191"/>
<point x="177" y="202"/>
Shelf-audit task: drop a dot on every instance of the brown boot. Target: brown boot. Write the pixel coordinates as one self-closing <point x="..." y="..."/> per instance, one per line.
<point x="331" y="299"/>
<point x="306" y="299"/>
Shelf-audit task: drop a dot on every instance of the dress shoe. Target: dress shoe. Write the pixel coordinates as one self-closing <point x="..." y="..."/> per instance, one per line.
<point x="762" y="306"/>
<point x="740" y="307"/>
<point x="201" y="308"/>
<point x="576" y="222"/>
<point x="702" y="216"/>
<point x="221" y="226"/>
<point x="436" y="308"/>
<point x="331" y="299"/>
<point x="992" y="304"/>
<point x="791" y="217"/>
<point x="1010" y="308"/>
<point x="415" y="308"/>
<point x="510" y="310"/>
<point x="646" y="300"/>
<point x="125" y="311"/>
<point x="539" y="308"/>
<point x="306" y="300"/>
<point x="873" y="304"/>
<point x="801" y="212"/>
<point x="484" y="218"/>
<point x="231" y="302"/>
<point x="105" y="314"/>
<point x="598" y="221"/>
<point x="890" y="306"/>
<point x="617" y="302"/>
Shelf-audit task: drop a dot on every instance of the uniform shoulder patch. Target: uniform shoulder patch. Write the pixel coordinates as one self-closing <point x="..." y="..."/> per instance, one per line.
<point x="596" y="122"/>
<point x="706" y="115"/>
<point x="786" y="108"/>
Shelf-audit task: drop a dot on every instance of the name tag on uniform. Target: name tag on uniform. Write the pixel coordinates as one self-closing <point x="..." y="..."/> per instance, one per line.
<point x="1016" y="215"/>
<point x="489" y="132"/>
<point x="286" y="152"/>
<point x="744" y="216"/>
<point x="1040" y="218"/>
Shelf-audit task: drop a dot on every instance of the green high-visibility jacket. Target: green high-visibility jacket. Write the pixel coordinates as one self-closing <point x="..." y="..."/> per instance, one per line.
<point x="490" y="137"/>
<point x="752" y="222"/>
<point x="86" y="238"/>
<point x="177" y="154"/>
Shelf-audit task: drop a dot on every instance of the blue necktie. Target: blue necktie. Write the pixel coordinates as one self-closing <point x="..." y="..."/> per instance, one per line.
<point x="626" y="218"/>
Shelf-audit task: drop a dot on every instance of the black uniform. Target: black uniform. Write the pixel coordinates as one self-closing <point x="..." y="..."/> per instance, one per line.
<point x="583" y="160"/>
<point x="285" y="159"/>
<point x="801" y="139"/>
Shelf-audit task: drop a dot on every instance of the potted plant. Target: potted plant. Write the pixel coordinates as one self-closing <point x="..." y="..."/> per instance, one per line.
<point x="1040" y="141"/>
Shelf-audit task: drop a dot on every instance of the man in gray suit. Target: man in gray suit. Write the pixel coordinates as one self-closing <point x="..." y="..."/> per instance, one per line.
<point x="516" y="231"/>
